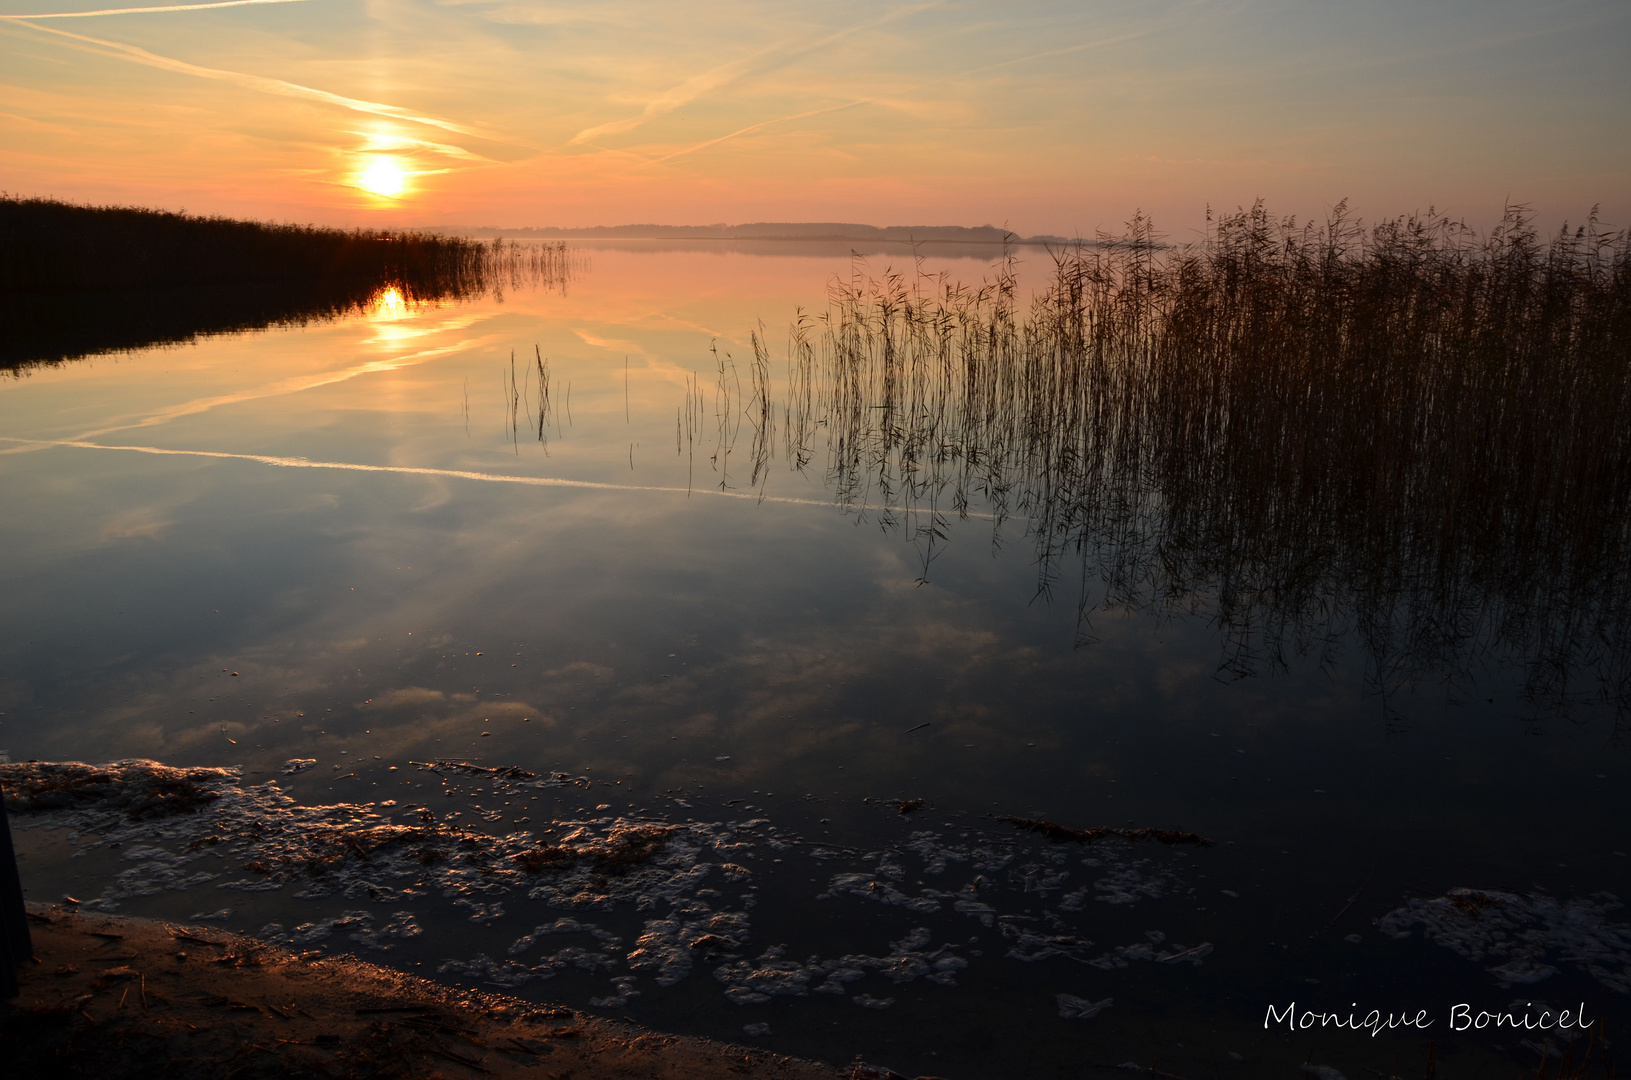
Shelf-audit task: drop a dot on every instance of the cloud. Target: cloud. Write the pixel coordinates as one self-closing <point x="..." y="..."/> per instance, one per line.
<point x="40" y="124"/>
<point x="148" y="10"/>
<point x="683" y="94"/>
<point x="751" y="128"/>
<point x="718" y="77"/>
<point x="145" y="523"/>
<point x="411" y="470"/>
<point x="956" y="77"/>
<point x="385" y="141"/>
<point x="622" y="345"/>
<point x="293" y="385"/>
<point x="266" y="85"/>
<point x="407" y="697"/>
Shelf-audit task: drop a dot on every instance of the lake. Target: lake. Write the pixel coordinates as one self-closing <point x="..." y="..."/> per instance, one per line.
<point x="645" y="643"/>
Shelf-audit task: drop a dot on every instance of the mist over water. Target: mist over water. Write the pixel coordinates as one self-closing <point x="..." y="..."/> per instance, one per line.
<point x="1310" y="545"/>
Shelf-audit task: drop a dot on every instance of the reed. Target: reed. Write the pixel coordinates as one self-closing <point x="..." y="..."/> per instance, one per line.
<point x="1409" y="432"/>
<point x="76" y="280"/>
<point x="48" y="246"/>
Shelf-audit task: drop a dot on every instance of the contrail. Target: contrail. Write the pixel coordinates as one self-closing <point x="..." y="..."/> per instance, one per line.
<point x="724" y="74"/>
<point x="750" y="129"/>
<point x="147" y="10"/>
<point x="414" y="470"/>
<point x="373" y="140"/>
<point x="448" y="474"/>
<point x="294" y="385"/>
<point x="262" y="83"/>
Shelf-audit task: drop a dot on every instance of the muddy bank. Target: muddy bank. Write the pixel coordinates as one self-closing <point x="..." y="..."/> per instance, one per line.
<point x="109" y="996"/>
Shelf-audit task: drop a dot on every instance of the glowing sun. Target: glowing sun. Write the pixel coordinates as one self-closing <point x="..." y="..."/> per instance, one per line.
<point x="383" y="176"/>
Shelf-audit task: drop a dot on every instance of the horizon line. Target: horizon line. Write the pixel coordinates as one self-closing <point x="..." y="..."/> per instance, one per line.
<point x="769" y="230"/>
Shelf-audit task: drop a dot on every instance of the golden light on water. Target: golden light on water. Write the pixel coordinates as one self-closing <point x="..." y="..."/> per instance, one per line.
<point x="384" y="176"/>
<point x="392" y="319"/>
<point x="389" y="304"/>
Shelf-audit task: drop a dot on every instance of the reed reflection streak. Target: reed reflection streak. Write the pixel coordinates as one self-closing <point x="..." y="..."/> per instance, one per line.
<point x="78" y="280"/>
<point x="1408" y="433"/>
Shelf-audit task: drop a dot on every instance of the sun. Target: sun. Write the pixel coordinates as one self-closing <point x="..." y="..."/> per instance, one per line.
<point x="384" y="176"/>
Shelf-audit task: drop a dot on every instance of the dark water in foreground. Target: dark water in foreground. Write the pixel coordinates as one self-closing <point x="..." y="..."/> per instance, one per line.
<point x="198" y="574"/>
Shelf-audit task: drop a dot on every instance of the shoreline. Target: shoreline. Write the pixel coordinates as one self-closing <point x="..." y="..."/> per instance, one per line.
<point x="118" y="996"/>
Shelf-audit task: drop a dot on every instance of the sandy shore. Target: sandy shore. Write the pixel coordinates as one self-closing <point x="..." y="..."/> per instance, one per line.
<point x="119" y="997"/>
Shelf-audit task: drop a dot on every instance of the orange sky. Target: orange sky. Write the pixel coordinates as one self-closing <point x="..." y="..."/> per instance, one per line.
<point x="1046" y="117"/>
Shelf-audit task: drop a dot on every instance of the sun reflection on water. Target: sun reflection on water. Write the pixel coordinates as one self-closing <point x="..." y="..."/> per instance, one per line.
<point x="392" y="318"/>
<point x="389" y="303"/>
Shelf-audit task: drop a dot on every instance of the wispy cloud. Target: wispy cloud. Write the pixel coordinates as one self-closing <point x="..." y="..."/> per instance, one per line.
<point x="956" y="77"/>
<point x="1063" y="50"/>
<point x="148" y="10"/>
<point x="412" y="470"/>
<point x="751" y="128"/>
<point x="677" y="97"/>
<point x="294" y="385"/>
<point x="621" y="345"/>
<point x="41" y="124"/>
<point x="379" y="141"/>
<point x="716" y="78"/>
<point x="279" y="87"/>
<point x="450" y="474"/>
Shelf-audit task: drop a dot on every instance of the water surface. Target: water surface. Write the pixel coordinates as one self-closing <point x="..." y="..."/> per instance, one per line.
<point x="373" y="542"/>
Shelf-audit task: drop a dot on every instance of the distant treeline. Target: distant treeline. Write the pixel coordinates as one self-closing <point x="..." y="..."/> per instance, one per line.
<point x="76" y="280"/>
<point x="785" y="230"/>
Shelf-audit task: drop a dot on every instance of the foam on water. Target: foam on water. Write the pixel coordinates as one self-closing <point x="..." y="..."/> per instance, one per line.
<point x="1530" y="935"/>
<point x="647" y="900"/>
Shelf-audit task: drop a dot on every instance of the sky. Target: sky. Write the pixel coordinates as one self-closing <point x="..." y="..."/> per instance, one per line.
<point x="1045" y="117"/>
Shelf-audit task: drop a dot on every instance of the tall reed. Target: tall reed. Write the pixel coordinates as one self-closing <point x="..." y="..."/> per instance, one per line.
<point x="1408" y="432"/>
<point x="76" y="280"/>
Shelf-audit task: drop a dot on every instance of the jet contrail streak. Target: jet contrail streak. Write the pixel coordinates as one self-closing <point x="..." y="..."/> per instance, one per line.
<point x="148" y="10"/>
<point x="750" y="129"/>
<point x="266" y="85"/>
<point x="415" y="470"/>
<point x="449" y="474"/>
<point x="724" y="74"/>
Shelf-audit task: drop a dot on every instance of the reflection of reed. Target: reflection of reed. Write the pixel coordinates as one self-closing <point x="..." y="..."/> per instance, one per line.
<point x="728" y="413"/>
<point x="77" y="280"/>
<point x="1408" y="433"/>
<point x="760" y="411"/>
<point x="546" y="409"/>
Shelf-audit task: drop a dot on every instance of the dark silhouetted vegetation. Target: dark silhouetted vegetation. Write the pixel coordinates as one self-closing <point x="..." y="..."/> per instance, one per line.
<point x="1061" y="834"/>
<point x="1407" y="434"/>
<point x="76" y="280"/>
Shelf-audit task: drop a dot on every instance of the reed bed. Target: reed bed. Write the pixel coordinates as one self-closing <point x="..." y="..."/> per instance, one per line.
<point x="75" y="280"/>
<point x="1407" y="432"/>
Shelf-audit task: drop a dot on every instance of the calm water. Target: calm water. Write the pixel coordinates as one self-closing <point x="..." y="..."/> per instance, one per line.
<point x="348" y="544"/>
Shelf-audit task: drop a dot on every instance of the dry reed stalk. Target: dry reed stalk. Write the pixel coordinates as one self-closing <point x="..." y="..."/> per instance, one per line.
<point x="1409" y="433"/>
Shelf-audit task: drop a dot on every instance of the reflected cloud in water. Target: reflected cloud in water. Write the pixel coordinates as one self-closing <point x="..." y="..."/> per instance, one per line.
<point x="1406" y="437"/>
<point x="962" y="543"/>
